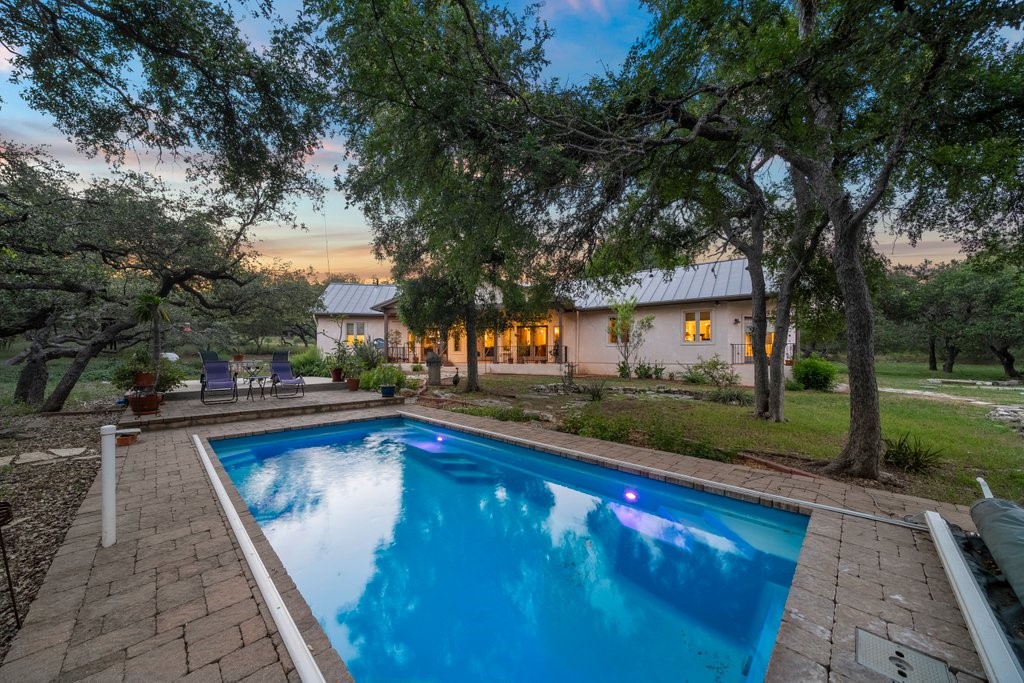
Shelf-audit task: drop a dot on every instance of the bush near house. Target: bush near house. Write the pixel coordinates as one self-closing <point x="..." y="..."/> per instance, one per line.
<point x="815" y="373"/>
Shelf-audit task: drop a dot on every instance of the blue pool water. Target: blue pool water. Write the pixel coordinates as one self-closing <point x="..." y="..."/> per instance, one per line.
<point x="429" y="555"/>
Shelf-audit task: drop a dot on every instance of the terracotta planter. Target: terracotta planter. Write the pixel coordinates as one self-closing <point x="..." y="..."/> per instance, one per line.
<point x="352" y="383"/>
<point x="238" y="357"/>
<point x="144" y="404"/>
<point x="127" y="439"/>
<point x="144" y="379"/>
<point x="335" y="374"/>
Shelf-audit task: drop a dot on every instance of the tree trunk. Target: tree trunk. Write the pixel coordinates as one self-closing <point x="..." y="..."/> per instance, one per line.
<point x="758" y="336"/>
<point x="472" y="369"/>
<point x="862" y="453"/>
<point x="1006" y="359"/>
<point x="933" y="360"/>
<point x="55" y="401"/>
<point x="952" y="351"/>
<point x="155" y="312"/>
<point x="777" y="377"/>
<point x="31" y="387"/>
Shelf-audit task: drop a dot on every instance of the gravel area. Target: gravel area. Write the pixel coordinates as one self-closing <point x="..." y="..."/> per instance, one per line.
<point x="44" y="497"/>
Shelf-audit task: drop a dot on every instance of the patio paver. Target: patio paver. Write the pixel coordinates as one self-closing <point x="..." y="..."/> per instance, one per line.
<point x="173" y="598"/>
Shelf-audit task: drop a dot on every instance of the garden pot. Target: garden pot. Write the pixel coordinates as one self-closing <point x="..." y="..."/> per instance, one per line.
<point x="144" y="404"/>
<point x="335" y="374"/>
<point x="144" y="379"/>
<point x="126" y="439"/>
<point x="238" y="357"/>
<point x="352" y="383"/>
<point x="387" y="390"/>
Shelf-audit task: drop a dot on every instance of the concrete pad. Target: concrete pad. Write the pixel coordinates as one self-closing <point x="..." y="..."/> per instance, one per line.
<point x="34" y="457"/>
<point x="67" y="452"/>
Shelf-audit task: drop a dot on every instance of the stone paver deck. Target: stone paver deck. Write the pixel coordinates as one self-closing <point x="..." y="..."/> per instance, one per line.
<point x="174" y="600"/>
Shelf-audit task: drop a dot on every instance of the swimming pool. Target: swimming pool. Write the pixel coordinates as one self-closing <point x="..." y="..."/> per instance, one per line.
<point x="428" y="554"/>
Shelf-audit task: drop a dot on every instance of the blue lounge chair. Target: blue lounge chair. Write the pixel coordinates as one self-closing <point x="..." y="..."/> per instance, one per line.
<point x="280" y="356"/>
<point x="281" y="376"/>
<point x="217" y="377"/>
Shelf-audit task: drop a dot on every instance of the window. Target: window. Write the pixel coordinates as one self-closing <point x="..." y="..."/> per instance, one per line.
<point x="612" y="337"/>
<point x="355" y="332"/>
<point x="456" y="342"/>
<point x="697" y="326"/>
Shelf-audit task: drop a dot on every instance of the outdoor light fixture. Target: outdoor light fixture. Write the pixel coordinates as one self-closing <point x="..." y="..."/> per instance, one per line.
<point x="630" y="495"/>
<point x="440" y="438"/>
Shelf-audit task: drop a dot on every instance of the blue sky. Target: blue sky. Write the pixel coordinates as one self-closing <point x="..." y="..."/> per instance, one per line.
<point x="590" y="37"/>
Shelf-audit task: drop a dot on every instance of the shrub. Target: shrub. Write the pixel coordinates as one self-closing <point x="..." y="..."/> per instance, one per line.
<point x="367" y="356"/>
<point x="658" y="371"/>
<point x="910" y="456"/>
<point x="714" y="371"/>
<point x="692" y="374"/>
<point x="310" y="363"/>
<point x="730" y="395"/>
<point x="644" y="370"/>
<point x="815" y="373"/>
<point x="793" y="385"/>
<point x="623" y="369"/>
<point x="505" y="414"/>
<point x="385" y="374"/>
<point x="595" y="388"/>
<point x="417" y="367"/>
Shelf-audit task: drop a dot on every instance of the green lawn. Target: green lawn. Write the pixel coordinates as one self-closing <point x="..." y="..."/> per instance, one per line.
<point x="915" y="375"/>
<point x="971" y="444"/>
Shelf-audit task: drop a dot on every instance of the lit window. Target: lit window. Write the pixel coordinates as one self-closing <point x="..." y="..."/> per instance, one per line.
<point x="614" y="338"/>
<point x="697" y="326"/>
<point x="355" y="332"/>
<point x="456" y="342"/>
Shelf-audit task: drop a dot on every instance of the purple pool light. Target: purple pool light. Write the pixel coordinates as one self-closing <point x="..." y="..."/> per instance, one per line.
<point x="630" y="495"/>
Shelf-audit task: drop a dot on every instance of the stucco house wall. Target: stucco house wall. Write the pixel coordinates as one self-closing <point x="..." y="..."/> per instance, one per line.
<point x="717" y="292"/>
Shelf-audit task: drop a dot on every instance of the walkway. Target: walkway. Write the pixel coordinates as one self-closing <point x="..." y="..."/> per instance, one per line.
<point x="173" y="599"/>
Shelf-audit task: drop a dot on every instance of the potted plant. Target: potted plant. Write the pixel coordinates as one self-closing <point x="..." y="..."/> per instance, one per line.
<point x="340" y="361"/>
<point x="137" y="376"/>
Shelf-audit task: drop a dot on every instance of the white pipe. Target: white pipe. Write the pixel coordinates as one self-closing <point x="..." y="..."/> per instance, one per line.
<point x="302" y="658"/>
<point x="989" y="639"/>
<point x="985" y="490"/>
<point x="109" y="485"/>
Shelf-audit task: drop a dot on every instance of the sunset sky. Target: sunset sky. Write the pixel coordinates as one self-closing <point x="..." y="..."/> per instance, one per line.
<point x="590" y="36"/>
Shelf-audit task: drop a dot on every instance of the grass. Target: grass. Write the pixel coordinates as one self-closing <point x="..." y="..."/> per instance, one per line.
<point x="970" y="444"/>
<point x="915" y="376"/>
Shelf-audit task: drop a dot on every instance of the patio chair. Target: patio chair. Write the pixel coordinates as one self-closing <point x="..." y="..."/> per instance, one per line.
<point x="208" y="355"/>
<point x="217" y="377"/>
<point x="280" y="357"/>
<point x="281" y="376"/>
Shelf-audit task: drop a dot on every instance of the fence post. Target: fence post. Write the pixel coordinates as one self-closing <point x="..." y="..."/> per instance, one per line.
<point x="108" y="483"/>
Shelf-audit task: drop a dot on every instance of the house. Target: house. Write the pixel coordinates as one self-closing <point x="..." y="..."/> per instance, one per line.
<point x="698" y="311"/>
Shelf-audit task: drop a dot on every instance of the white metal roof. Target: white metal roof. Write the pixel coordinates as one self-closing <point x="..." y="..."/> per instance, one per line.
<point x="349" y="298"/>
<point x="699" y="282"/>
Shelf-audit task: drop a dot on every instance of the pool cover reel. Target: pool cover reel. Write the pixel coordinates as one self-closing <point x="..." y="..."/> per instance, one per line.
<point x="1001" y="525"/>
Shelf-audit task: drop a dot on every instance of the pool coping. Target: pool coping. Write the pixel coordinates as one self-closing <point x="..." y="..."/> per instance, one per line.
<point x="852" y="573"/>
